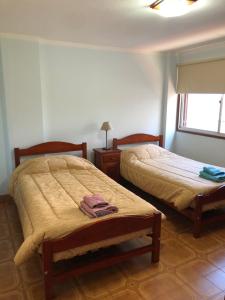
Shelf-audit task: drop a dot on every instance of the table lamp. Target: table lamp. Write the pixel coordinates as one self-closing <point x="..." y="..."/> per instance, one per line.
<point x="106" y="126"/>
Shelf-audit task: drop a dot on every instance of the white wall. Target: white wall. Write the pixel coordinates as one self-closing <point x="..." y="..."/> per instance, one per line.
<point x="206" y="149"/>
<point x="170" y="102"/>
<point x="4" y="166"/>
<point x="21" y="111"/>
<point x="86" y="87"/>
<point x="21" y="77"/>
<point x="60" y="92"/>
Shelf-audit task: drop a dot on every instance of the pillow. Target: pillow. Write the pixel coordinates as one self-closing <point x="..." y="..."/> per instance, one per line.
<point x="149" y="151"/>
<point x="46" y="164"/>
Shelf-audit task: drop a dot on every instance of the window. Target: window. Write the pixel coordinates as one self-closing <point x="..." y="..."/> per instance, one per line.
<point x="202" y="114"/>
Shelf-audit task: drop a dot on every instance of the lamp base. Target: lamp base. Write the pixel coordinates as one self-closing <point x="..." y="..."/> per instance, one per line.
<point x="106" y="148"/>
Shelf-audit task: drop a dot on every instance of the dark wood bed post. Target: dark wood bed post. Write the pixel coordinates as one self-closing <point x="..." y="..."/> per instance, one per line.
<point x="17" y="156"/>
<point x="197" y="216"/>
<point x="84" y="150"/>
<point x="156" y="233"/>
<point x="161" y="140"/>
<point x="48" y="269"/>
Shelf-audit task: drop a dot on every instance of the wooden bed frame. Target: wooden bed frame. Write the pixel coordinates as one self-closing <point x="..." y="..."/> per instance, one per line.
<point x="49" y="147"/>
<point x="196" y="214"/>
<point x="96" y="232"/>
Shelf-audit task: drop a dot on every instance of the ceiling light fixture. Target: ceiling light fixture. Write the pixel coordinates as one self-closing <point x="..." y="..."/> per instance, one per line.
<point x="172" y="8"/>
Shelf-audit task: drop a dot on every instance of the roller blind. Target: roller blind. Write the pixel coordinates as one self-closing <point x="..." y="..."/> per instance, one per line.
<point x="203" y="77"/>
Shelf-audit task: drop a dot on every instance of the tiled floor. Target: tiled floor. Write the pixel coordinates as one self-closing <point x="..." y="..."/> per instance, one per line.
<point x="189" y="268"/>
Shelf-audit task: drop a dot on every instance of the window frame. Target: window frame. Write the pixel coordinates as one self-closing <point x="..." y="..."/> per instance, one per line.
<point x="200" y="132"/>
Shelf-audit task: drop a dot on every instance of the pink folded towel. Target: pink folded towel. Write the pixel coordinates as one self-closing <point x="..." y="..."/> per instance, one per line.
<point x="97" y="212"/>
<point x="95" y="201"/>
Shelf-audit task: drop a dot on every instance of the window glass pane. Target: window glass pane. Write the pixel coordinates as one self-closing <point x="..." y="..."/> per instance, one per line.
<point x="203" y="111"/>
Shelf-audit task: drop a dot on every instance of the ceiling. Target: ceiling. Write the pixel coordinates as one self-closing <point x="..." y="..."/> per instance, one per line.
<point x="123" y="24"/>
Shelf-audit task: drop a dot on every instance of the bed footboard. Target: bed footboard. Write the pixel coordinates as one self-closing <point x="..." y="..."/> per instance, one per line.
<point x="200" y="216"/>
<point x="200" y="202"/>
<point x="99" y="231"/>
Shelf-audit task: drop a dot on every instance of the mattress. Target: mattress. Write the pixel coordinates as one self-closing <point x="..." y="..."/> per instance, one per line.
<point x="48" y="191"/>
<point x="166" y="175"/>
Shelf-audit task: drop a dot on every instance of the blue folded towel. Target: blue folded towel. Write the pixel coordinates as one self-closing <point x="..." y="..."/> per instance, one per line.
<point x="216" y="178"/>
<point x="213" y="171"/>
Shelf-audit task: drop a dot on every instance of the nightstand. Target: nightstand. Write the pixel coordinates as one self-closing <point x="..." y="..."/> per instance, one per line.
<point x="108" y="161"/>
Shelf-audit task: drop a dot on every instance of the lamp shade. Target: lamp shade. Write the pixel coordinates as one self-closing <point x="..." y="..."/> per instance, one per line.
<point x="106" y="126"/>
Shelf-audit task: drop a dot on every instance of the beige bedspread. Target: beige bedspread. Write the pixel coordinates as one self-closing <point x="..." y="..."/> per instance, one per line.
<point x="165" y="175"/>
<point x="48" y="191"/>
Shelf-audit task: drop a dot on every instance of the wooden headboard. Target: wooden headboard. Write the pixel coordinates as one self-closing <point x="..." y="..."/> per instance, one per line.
<point x="137" y="139"/>
<point x="49" y="147"/>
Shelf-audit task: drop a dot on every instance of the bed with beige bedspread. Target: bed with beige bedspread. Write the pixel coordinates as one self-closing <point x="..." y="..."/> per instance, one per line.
<point x="48" y="191"/>
<point x="166" y="175"/>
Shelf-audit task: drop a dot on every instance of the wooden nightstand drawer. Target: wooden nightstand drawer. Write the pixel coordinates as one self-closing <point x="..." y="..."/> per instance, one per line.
<point x="111" y="158"/>
<point x="108" y="161"/>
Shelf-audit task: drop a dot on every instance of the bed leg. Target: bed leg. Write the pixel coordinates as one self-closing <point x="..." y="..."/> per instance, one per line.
<point x="156" y="237"/>
<point x="48" y="272"/>
<point x="197" y="228"/>
<point x="197" y="217"/>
